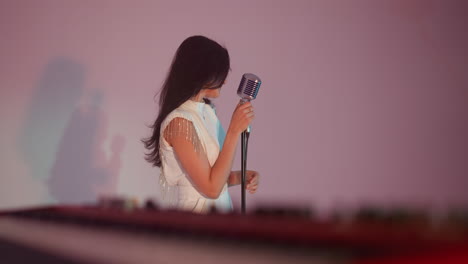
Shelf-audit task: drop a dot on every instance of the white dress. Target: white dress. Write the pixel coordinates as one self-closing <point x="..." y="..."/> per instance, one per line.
<point x="177" y="187"/>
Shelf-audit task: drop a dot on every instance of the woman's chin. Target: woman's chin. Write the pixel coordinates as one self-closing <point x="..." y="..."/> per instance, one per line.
<point x="213" y="95"/>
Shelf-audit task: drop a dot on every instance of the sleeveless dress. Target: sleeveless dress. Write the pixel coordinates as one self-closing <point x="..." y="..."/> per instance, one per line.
<point x="176" y="186"/>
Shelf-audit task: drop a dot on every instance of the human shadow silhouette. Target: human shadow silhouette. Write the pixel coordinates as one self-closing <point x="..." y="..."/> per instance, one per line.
<point x="51" y="105"/>
<point x="81" y="171"/>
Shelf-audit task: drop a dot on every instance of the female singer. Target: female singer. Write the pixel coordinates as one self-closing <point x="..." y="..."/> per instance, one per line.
<point x="188" y="142"/>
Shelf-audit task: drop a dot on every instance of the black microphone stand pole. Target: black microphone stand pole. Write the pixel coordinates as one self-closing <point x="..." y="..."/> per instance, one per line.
<point x="244" y="144"/>
<point x="248" y="89"/>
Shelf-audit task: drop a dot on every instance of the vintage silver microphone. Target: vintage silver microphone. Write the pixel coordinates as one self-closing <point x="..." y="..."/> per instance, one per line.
<point x="248" y="87"/>
<point x="248" y="90"/>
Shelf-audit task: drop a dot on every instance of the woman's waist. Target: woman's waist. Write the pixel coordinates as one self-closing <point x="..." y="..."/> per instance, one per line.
<point x="188" y="191"/>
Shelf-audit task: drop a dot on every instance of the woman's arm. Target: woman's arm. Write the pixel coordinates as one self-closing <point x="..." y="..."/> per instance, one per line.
<point x="209" y="180"/>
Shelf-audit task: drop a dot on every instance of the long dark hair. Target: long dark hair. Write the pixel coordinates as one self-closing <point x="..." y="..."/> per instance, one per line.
<point x="199" y="63"/>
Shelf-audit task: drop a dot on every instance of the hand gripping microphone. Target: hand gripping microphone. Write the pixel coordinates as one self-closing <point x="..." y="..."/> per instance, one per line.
<point x="248" y="90"/>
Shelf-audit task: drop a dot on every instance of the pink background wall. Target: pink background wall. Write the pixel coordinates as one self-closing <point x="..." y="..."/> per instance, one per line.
<point x="361" y="102"/>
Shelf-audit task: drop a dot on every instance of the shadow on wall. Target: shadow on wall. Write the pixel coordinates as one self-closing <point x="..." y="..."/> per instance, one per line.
<point x="52" y="102"/>
<point x="82" y="171"/>
<point x="62" y="144"/>
<point x="51" y="105"/>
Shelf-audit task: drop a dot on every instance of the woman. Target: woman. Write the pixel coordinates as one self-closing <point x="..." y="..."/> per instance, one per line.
<point x="188" y="143"/>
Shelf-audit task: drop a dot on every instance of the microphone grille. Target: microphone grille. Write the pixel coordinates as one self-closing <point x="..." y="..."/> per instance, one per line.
<point x="249" y="86"/>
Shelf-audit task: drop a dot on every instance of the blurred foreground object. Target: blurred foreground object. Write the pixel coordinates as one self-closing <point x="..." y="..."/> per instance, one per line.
<point x="110" y="233"/>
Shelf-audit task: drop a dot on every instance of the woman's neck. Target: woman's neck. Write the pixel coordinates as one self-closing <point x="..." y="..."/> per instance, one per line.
<point x="198" y="98"/>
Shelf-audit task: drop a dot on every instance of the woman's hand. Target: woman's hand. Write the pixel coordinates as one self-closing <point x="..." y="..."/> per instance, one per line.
<point x="241" y="118"/>
<point x="252" y="179"/>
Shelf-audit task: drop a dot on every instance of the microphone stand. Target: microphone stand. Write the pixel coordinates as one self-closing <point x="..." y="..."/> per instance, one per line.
<point x="244" y="144"/>
<point x="248" y="89"/>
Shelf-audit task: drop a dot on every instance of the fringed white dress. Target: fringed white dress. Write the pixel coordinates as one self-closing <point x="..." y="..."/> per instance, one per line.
<point x="207" y="136"/>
